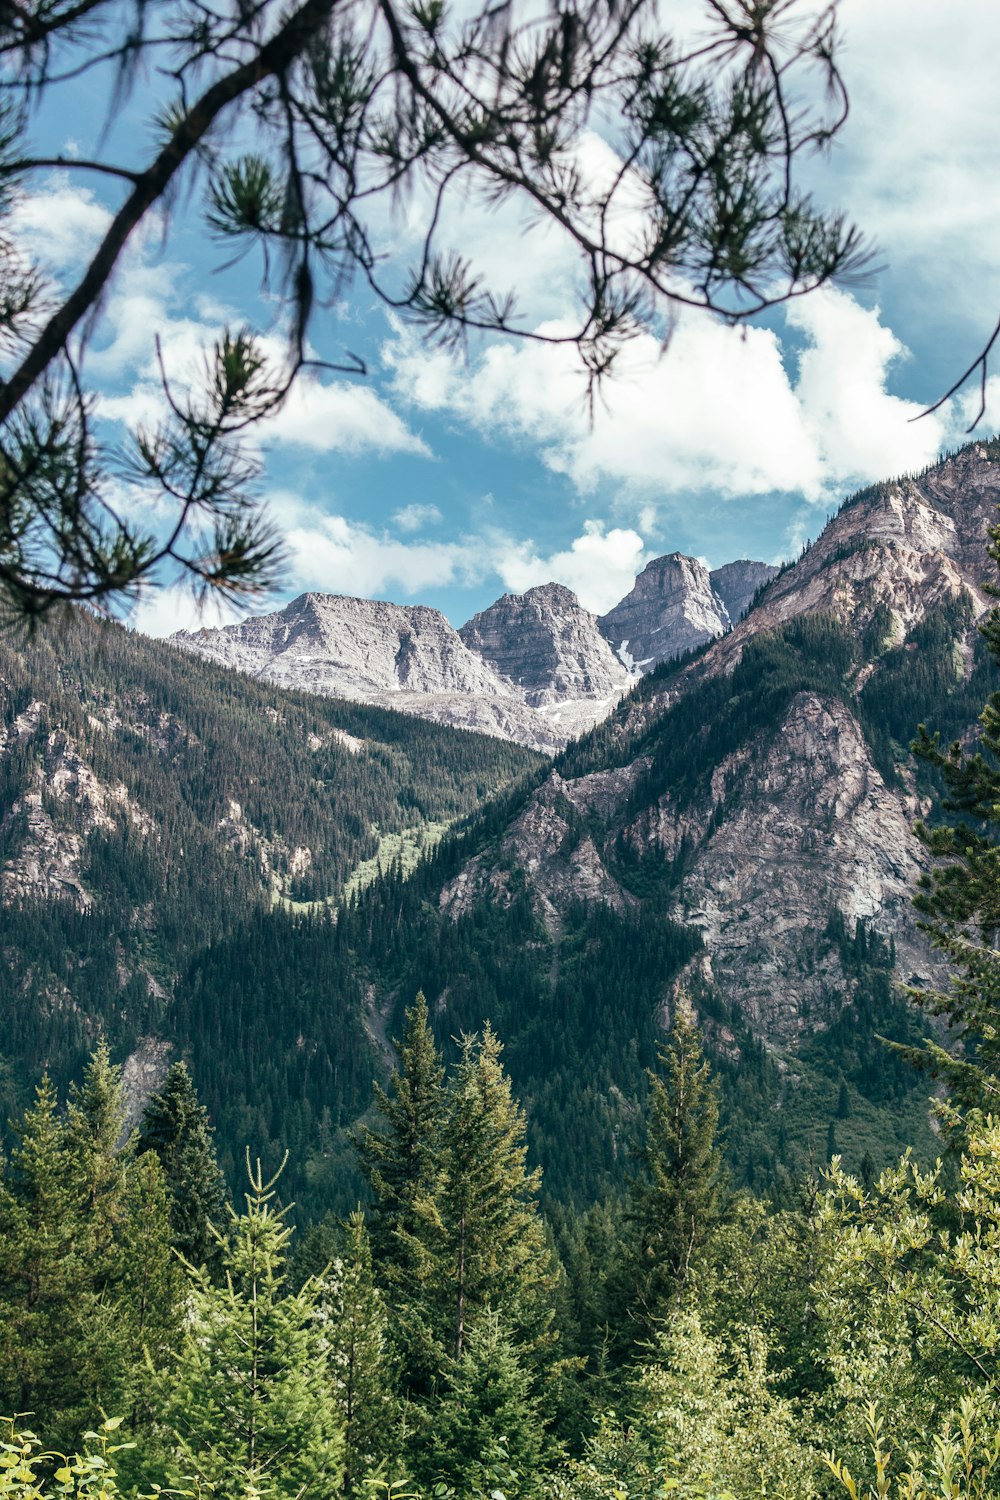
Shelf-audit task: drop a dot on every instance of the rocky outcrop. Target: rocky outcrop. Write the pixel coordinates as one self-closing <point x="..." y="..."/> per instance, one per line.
<point x="796" y="826"/>
<point x="548" y="842"/>
<point x="47" y="855"/>
<point x="409" y="658"/>
<point x="549" y="645"/>
<point x="143" y="1072"/>
<point x="350" y="648"/>
<point x="737" y="583"/>
<point x="671" y="609"/>
<point x="536" y="667"/>
<point x="811" y="830"/>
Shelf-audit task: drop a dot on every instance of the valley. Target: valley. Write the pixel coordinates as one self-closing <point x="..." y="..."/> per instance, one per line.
<point x="177" y="836"/>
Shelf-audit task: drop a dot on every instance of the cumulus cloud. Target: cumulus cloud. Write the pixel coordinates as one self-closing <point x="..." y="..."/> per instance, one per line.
<point x="59" y="224"/>
<point x="599" y="566"/>
<point x="340" y="417"/>
<point x="416" y="517"/>
<point x="720" y="411"/>
<point x="858" y="428"/>
<point x="335" y="416"/>
<point x="341" y="556"/>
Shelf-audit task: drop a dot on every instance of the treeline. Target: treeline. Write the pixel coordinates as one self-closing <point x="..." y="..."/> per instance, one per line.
<point x="453" y="1342"/>
<point x="121" y="759"/>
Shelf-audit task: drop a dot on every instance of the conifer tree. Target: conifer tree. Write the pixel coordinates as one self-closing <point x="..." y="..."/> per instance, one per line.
<point x="150" y="1289"/>
<point x="86" y="1280"/>
<point x="401" y="1158"/>
<point x="176" y="1127"/>
<point x="488" y="1434"/>
<point x="41" y="1269"/>
<point x="493" y="1246"/>
<point x="352" y="1314"/>
<point x="246" y="1404"/>
<point x="675" y="1203"/>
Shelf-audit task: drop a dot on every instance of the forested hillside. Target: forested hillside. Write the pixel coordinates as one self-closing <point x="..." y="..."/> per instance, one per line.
<point x="176" y="839"/>
<point x="173" y="840"/>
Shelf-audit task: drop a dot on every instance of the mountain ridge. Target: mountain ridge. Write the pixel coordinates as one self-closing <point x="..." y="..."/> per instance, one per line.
<point x="175" y="840"/>
<point x="535" y="667"/>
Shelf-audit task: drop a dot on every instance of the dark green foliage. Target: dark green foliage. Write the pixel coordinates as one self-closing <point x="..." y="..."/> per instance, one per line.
<point x="181" y="935"/>
<point x="244" y="1402"/>
<point x="282" y="1011"/>
<point x="87" y="1277"/>
<point x="487" y="1231"/>
<point x="674" y="1201"/>
<point x="488" y="1434"/>
<point x="175" y="1127"/>
<point x="401" y="1158"/>
<point x="355" y="1324"/>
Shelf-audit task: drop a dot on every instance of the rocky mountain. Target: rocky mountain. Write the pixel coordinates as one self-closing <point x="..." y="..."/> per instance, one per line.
<point x="174" y="840"/>
<point x="409" y="658"/>
<point x="737" y="584"/>
<point x="546" y="643"/>
<point x="759" y="798"/>
<point x="676" y="605"/>
<point x="536" y="667"/>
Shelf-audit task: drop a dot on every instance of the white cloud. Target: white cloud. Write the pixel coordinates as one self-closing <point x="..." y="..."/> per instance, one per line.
<point x="340" y="556"/>
<point x="599" y="566"/>
<point x="340" y="417"/>
<point x="333" y="554"/>
<point x="917" y="160"/>
<point x="416" y="517"/>
<point x="719" y="412"/>
<point x="860" y="431"/>
<point x="59" y="224"/>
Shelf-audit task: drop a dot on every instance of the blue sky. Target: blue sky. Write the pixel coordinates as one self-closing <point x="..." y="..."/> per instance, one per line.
<point x="447" y="480"/>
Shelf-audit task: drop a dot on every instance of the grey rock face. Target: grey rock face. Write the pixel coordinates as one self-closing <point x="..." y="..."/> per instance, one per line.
<point x="736" y="583"/>
<point x="143" y="1073"/>
<point x="812" y="829"/>
<point x="798" y="822"/>
<point x="549" y="645"/>
<point x="536" y="667"/>
<point x="671" y="609"/>
<point x="410" y="658"/>
<point x="350" y="648"/>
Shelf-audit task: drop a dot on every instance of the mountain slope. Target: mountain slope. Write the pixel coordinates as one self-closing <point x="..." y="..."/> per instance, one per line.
<point x="544" y="641"/>
<point x="404" y="657"/>
<point x="758" y="798"/>
<point x="739" y="829"/>
<point x="536" y="667"/>
<point x="155" y="812"/>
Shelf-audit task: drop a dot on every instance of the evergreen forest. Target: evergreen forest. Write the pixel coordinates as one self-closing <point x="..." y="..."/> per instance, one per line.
<point x="558" y="1248"/>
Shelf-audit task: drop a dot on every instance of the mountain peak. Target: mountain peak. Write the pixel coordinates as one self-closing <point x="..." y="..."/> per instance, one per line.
<point x="548" y="644"/>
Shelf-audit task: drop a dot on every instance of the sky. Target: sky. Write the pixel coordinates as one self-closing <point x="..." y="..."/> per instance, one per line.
<point x="449" y="478"/>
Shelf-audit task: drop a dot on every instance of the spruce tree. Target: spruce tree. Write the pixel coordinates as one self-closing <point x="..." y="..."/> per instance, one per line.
<point x="493" y="1250"/>
<point x="86" y="1276"/>
<point x="246" y="1404"/>
<point x="352" y="1314"/>
<point x="488" y="1434"/>
<point x="42" y="1271"/>
<point x="400" y="1156"/>
<point x="401" y="1159"/>
<point x="175" y="1125"/>
<point x="675" y="1202"/>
